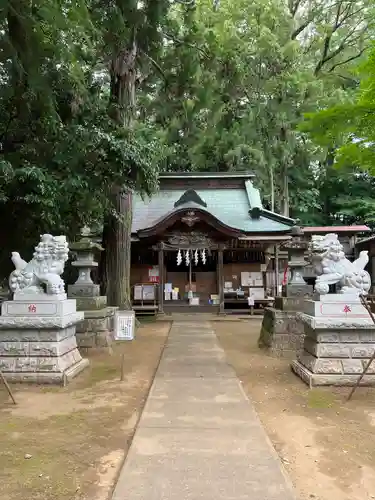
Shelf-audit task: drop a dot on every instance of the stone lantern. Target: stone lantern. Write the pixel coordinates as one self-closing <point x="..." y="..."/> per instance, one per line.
<point x="296" y="247"/>
<point x="97" y="327"/>
<point x="86" y="292"/>
<point x="282" y="332"/>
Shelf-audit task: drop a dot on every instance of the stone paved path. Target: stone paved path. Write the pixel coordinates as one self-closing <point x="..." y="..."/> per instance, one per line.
<point x="199" y="437"/>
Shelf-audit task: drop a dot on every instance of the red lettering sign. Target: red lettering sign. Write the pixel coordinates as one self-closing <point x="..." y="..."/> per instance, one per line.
<point x="32" y="308"/>
<point x="347" y="309"/>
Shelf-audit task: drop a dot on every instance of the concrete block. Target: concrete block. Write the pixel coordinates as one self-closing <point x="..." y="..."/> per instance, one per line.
<point x="26" y="354"/>
<point x="352" y="366"/>
<point x="84" y="290"/>
<point x="38" y="308"/>
<point x="320" y="365"/>
<point x="335" y="350"/>
<point x="371" y="368"/>
<point x="326" y="350"/>
<point x="318" y="379"/>
<point x="39" y="322"/>
<point x="281" y="332"/>
<point x="91" y="303"/>
<point x="362" y="350"/>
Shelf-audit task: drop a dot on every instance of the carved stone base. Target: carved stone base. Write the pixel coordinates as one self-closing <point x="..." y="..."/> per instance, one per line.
<point x="38" y="308"/>
<point x="298" y="290"/>
<point x="39" y="355"/>
<point x="321" y="379"/>
<point x="50" y="378"/>
<point x="289" y="303"/>
<point x="84" y="290"/>
<point x="336" y="306"/>
<point x="91" y="303"/>
<point x="39" y="322"/>
<point x="96" y="330"/>
<point x="335" y="351"/>
<point x="281" y="332"/>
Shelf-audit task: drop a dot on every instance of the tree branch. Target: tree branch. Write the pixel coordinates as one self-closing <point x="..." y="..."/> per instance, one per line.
<point x="349" y="59"/>
<point x="323" y="58"/>
<point x="351" y="80"/>
<point x="302" y="27"/>
<point x="338" y="13"/>
<point x="183" y="42"/>
<point x="294" y="6"/>
<point x="349" y="15"/>
<point x="154" y="63"/>
<point x="327" y="56"/>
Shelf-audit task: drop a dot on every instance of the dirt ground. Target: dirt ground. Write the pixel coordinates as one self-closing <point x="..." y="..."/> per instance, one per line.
<point x="326" y="444"/>
<point x="69" y="443"/>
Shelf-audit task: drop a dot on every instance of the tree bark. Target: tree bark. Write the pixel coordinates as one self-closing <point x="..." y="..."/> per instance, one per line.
<point x="117" y="235"/>
<point x="272" y="187"/>
<point x="285" y="192"/>
<point x="118" y="222"/>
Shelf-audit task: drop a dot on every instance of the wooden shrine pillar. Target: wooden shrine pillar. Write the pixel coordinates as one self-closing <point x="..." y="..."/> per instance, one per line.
<point x="277" y="274"/>
<point x="220" y="274"/>
<point x="267" y="260"/>
<point x="161" y="278"/>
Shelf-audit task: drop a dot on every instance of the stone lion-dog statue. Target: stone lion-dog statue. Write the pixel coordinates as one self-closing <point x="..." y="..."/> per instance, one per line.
<point x="332" y="267"/>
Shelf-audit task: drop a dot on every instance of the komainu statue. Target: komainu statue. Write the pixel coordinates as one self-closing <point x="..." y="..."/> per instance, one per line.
<point x="42" y="274"/>
<point x="332" y="267"/>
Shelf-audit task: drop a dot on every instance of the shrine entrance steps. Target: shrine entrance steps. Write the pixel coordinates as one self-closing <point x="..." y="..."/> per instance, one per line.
<point x="203" y="317"/>
<point x="199" y="436"/>
<point x="181" y="307"/>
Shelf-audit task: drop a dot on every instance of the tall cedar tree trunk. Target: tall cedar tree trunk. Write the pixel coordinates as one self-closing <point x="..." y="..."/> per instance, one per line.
<point x="285" y="173"/>
<point x="285" y="195"/>
<point x="272" y="185"/>
<point x="117" y="223"/>
<point x="18" y="33"/>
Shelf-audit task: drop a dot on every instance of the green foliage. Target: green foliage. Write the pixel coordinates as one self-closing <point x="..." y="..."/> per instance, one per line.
<point x="60" y="152"/>
<point x="238" y="82"/>
<point x="345" y="196"/>
<point x="222" y="88"/>
<point x="349" y="127"/>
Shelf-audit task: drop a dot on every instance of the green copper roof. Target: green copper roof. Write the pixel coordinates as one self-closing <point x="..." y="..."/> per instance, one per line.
<point x="238" y="208"/>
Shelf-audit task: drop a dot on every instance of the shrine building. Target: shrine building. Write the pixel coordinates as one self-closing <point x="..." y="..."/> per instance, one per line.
<point x="204" y="241"/>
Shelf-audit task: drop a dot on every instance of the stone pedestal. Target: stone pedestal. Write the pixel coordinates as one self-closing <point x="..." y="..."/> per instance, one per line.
<point x="339" y="341"/>
<point x="96" y="329"/>
<point x="282" y="332"/>
<point x="37" y="339"/>
<point x="97" y="326"/>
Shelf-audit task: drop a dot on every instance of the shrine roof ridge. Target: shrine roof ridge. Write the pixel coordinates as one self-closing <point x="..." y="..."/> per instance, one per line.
<point x="208" y="175"/>
<point x="336" y="229"/>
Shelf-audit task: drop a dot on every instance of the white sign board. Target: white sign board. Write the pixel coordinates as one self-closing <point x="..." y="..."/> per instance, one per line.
<point x="253" y="278"/>
<point x="256" y="293"/>
<point x="124" y="325"/>
<point x="245" y="278"/>
<point x="148" y="292"/>
<point x="256" y="279"/>
<point x="138" y="292"/>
